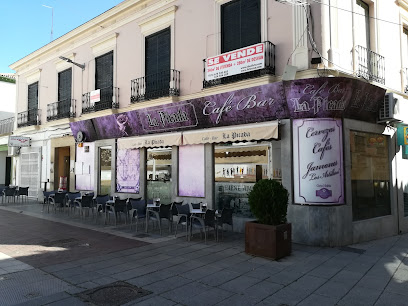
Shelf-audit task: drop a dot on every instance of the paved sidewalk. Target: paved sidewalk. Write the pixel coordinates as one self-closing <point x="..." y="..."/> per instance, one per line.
<point x="176" y="272"/>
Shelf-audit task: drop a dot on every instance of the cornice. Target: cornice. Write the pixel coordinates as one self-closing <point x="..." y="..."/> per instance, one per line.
<point x="403" y="4"/>
<point x="102" y="25"/>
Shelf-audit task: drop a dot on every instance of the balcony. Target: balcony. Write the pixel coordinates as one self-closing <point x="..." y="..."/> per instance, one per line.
<point x="61" y="109"/>
<point x="370" y="65"/>
<point x="269" y="69"/>
<point x="109" y="99"/>
<point x="30" y="117"/>
<point x="6" y="126"/>
<point x="163" y="84"/>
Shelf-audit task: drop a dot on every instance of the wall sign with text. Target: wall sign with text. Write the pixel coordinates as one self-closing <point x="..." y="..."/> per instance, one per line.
<point x="318" y="161"/>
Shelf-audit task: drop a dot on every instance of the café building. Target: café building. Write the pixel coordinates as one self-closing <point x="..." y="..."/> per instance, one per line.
<point x="319" y="137"/>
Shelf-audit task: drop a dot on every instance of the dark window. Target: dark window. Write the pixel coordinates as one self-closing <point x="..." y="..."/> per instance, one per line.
<point x="33" y="96"/>
<point x="64" y="91"/>
<point x="370" y="175"/>
<point x="104" y="80"/>
<point x="157" y="62"/>
<point x="32" y="103"/>
<point x="240" y="24"/>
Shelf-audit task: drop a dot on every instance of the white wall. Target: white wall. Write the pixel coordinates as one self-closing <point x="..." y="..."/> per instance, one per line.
<point x="7" y="97"/>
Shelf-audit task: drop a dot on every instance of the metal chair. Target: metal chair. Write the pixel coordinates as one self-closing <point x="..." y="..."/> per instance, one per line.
<point x="70" y="199"/>
<point x="99" y="203"/>
<point x="120" y="206"/>
<point x="23" y="193"/>
<point x="204" y="224"/>
<point x="137" y="210"/>
<point x="9" y="192"/>
<point x="225" y="218"/>
<point x="183" y="217"/>
<point x="84" y="203"/>
<point x="58" y="200"/>
<point x="164" y="212"/>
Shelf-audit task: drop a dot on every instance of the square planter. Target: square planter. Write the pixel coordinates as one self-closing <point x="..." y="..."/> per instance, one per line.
<point x="268" y="241"/>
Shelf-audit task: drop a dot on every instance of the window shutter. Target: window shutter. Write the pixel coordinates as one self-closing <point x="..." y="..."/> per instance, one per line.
<point x="158" y="52"/>
<point x="240" y="24"/>
<point x="104" y="71"/>
<point x="33" y="96"/>
<point x="230" y="26"/>
<point x="250" y="22"/>
<point x="64" y="85"/>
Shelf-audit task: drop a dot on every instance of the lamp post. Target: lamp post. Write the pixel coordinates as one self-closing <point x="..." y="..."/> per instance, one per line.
<point x="52" y="18"/>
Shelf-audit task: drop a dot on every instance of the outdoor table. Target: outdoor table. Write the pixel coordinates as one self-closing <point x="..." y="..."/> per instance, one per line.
<point x="150" y="207"/>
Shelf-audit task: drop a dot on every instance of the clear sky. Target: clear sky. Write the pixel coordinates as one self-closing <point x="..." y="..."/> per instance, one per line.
<point x="25" y="25"/>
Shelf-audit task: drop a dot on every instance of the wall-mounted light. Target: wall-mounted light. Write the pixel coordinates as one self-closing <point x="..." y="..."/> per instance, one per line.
<point x="72" y="62"/>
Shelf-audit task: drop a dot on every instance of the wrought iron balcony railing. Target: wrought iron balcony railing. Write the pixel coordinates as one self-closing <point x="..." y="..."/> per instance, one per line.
<point x="163" y="84"/>
<point x="370" y="65"/>
<point x="6" y="125"/>
<point x="269" y="69"/>
<point x="109" y="98"/>
<point x="30" y="117"/>
<point x="61" y="109"/>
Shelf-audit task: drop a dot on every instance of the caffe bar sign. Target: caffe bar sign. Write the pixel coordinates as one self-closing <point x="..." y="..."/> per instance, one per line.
<point x="307" y="98"/>
<point x="318" y="161"/>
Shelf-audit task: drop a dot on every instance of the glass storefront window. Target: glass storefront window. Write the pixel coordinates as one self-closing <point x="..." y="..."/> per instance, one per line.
<point x="237" y="168"/>
<point x="105" y="158"/>
<point x="370" y="175"/>
<point x="159" y="174"/>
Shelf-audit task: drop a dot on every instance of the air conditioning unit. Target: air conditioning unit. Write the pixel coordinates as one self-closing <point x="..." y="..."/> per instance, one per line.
<point x="390" y="109"/>
<point x="13" y="151"/>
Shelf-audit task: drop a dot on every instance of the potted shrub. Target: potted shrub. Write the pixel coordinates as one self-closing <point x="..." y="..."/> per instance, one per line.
<point x="270" y="235"/>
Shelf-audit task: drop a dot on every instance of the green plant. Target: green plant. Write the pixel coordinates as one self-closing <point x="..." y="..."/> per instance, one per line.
<point x="268" y="201"/>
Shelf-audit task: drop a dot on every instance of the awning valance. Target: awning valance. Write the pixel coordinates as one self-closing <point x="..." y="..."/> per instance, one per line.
<point x="152" y="141"/>
<point x="245" y="132"/>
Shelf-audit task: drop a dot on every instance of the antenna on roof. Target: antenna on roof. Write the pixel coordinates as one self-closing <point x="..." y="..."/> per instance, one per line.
<point x="52" y="18"/>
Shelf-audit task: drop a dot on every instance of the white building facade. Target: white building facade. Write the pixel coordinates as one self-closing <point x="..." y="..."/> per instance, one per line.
<point x="185" y="101"/>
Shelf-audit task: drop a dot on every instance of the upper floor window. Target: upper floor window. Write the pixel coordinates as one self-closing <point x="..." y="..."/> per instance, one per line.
<point x="104" y="80"/>
<point x="240" y="24"/>
<point x="157" y="63"/>
<point x="33" y="96"/>
<point x="104" y="71"/>
<point x="64" y="85"/>
<point x="362" y="20"/>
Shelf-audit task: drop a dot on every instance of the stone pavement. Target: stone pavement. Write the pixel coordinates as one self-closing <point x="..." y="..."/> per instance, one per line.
<point x="55" y="259"/>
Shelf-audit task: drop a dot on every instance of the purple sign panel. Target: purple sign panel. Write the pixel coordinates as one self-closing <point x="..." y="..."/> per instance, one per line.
<point x="128" y="170"/>
<point x="191" y="178"/>
<point x="306" y="98"/>
<point x="318" y="161"/>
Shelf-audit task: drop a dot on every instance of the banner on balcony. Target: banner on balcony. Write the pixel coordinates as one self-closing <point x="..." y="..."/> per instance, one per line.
<point x="318" y="161"/>
<point x="95" y="96"/>
<point x="235" y="62"/>
<point x="307" y="98"/>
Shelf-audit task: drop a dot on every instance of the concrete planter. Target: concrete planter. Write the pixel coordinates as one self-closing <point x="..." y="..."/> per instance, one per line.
<point x="268" y="241"/>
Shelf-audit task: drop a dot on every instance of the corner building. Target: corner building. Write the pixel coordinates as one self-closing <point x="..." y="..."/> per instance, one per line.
<point x="196" y="100"/>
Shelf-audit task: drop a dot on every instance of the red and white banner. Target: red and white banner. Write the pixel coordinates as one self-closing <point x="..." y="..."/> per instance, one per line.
<point x="95" y="96"/>
<point x="235" y="62"/>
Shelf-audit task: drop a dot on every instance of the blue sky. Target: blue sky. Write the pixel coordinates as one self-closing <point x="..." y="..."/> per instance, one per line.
<point x="25" y="25"/>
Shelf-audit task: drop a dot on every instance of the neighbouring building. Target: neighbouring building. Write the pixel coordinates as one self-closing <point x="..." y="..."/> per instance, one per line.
<point x="197" y="100"/>
<point x="7" y="109"/>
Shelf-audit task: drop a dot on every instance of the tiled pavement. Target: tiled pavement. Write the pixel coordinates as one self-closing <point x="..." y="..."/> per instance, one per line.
<point x="50" y="263"/>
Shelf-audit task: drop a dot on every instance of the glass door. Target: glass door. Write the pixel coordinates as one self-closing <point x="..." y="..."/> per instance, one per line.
<point x="105" y="169"/>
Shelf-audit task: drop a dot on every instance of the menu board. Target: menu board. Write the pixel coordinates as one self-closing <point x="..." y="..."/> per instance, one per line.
<point x="318" y="161"/>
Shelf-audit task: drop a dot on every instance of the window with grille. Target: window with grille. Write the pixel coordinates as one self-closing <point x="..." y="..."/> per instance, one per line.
<point x="104" y="80"/>
<point x="157" y="63"/>
<point x="32" y="103"/>
<point x="33" y="96"/>
<point x="240" y="24"/>
<point x="64" y="91"/>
